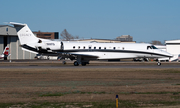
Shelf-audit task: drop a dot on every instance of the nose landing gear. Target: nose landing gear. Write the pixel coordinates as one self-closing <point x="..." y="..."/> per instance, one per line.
<point x="159" y="63"/>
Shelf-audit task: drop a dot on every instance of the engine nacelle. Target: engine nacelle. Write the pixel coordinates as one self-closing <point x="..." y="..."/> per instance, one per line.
<point x="49" y="45"/>
<point x="53" y="45"/>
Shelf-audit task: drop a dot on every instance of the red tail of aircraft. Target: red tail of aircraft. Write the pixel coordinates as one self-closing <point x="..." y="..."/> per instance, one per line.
<point x="5" y="53"/>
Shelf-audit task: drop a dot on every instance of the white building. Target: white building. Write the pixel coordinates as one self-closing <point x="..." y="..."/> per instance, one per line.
<point x="126" y="38"/>
<point x="173" y="47"/>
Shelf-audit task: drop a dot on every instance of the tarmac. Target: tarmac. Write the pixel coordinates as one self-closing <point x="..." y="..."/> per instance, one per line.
<point x="93" y="64"/>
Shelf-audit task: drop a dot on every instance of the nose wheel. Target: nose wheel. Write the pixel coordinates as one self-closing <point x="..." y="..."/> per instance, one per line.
<point x="158" y="63"/>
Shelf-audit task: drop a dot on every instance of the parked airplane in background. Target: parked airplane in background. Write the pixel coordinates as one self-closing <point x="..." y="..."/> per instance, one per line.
<point x="5" y="53"/>
<point x="84" y="52"/>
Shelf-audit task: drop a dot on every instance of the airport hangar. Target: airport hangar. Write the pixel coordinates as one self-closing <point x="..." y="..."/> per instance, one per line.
<point x="173" y="47"/>
<point x="8" y="36"/>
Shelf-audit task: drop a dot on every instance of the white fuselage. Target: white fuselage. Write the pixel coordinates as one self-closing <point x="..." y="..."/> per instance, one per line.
<point x="83" y="52"/>
<point x="113" y="50"/>
<point x="102" y="50"/>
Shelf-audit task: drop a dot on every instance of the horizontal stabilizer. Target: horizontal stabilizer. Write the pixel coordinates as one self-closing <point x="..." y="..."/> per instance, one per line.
<point x="17" y="24"/>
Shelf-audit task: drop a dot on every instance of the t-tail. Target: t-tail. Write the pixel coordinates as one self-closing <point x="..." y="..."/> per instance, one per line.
<point x="29" y="42"/>
<point x="26" y="37"/>
<point x="24" y="33"/>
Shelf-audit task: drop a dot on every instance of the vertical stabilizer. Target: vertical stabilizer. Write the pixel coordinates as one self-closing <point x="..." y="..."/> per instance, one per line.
<point x="24" y="33"/>
<point x="6" y="51"/>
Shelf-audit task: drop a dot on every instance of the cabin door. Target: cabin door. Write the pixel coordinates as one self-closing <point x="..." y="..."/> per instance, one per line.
<point x="62" y="46"/>
<point x="151" y="50"/>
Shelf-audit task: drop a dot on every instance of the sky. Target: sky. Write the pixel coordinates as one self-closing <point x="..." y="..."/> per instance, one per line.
<point x="144" y="20"/>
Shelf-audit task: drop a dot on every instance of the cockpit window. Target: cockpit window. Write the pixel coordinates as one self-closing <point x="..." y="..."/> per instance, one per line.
<point x="149" y="47"/>
<point x="153" y="47"/>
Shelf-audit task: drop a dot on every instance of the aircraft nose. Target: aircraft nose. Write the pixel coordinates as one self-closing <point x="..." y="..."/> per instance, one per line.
<point x="167" y="54"/>
<point x="170" y="55"/>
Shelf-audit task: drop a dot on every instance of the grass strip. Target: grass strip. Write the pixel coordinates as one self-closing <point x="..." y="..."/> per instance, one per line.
<point x="174" y="93"/>
<point x="65" y="93"/>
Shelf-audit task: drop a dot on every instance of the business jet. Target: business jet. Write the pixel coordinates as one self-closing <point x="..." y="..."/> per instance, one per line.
<point x="82" y="53"/>
<point x="5" y="53"/>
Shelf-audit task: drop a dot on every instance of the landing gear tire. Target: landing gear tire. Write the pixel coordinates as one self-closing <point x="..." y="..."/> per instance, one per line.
<point x="83" y="63"/>
<point x="158" y="63"/>
<point x="76" y="63"/>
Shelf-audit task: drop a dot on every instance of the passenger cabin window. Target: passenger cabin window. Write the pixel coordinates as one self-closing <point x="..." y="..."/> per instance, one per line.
<point x="114" y="48"/>
<point x="78" y="47"/>
<point x="73" y="47"/>
<point x="123" y="48"/>
<point x="89" y="47"/>
<point x="84" y="47"/>
<point x="99" y="47"/>
<point x="104" y="47"/>
<point x="94" y="47"/>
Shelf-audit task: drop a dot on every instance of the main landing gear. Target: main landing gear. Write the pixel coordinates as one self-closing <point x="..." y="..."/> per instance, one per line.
<point x="76" y="63"/>
<point x="82" y="63"/>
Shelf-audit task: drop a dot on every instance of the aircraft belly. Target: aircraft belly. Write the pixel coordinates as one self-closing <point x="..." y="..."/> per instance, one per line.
<point x="116" y="55"/>
<point x="84" y="53"/>
<point x="141" y="55"/>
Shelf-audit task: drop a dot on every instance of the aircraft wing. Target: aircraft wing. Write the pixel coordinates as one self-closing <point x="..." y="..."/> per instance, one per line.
<point x="77" y="54"/>
<point x="85" y="55"/>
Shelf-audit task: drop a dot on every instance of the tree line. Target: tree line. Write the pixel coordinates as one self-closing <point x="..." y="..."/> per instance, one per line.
<point x="67" y="37"/>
